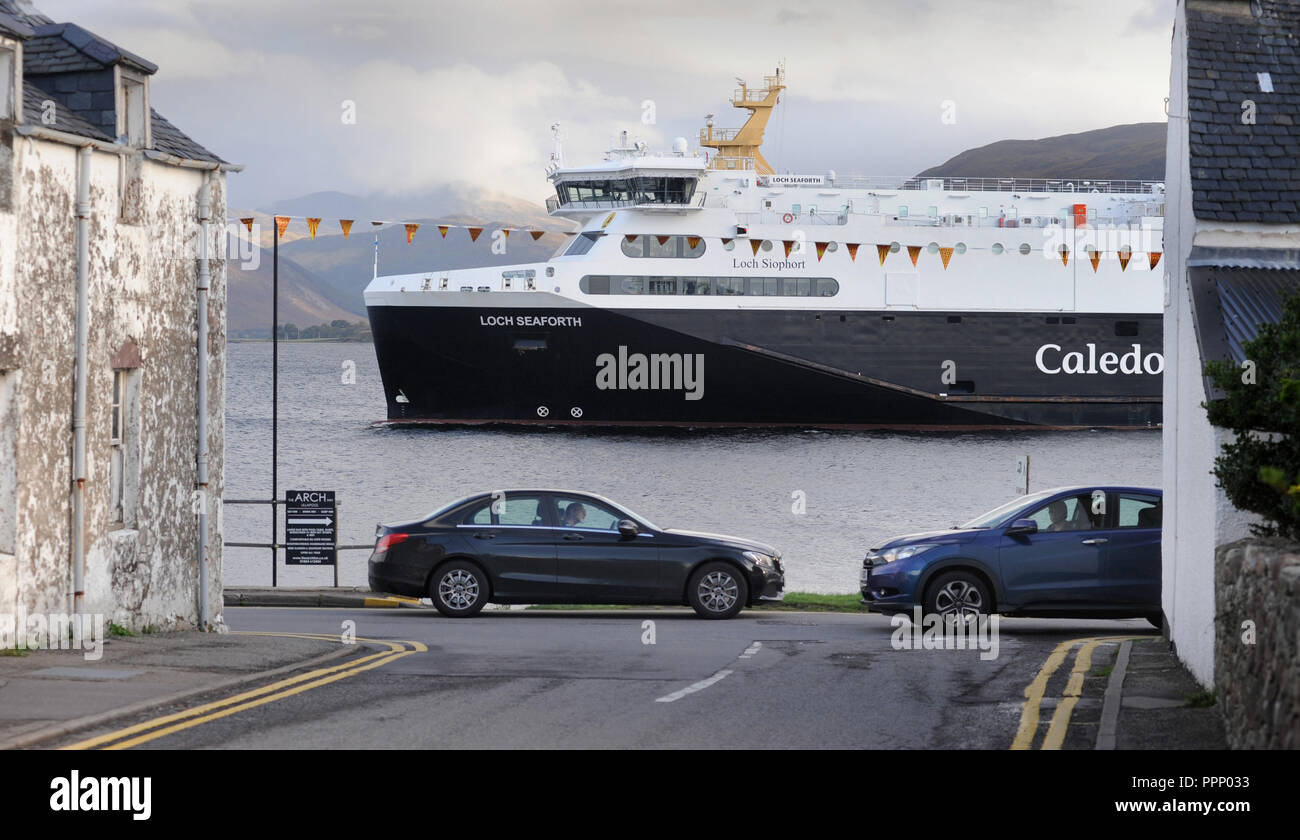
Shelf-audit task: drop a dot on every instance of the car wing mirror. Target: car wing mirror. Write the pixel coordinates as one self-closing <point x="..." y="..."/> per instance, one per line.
<point x="1022" y="527"/>
<point x="628" y="528"/>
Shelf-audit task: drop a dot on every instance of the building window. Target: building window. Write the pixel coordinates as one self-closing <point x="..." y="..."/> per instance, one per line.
<point x="8" y="82"/>
<point x="133" y="121"/>
<point x="124" y="447"/>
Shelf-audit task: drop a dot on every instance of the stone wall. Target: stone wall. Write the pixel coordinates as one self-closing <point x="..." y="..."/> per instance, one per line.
<point x="1257" y="642"/>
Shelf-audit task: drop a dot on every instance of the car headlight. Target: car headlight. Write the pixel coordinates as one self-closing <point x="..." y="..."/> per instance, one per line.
<point x="903" y="552"/>
<point x="765" y="560"/>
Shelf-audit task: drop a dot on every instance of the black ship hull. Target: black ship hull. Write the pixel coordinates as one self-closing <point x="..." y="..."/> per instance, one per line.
<point x="864" y="369"/>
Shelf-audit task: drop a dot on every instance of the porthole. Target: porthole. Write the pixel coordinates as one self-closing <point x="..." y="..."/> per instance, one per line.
<point x="1025" y="249"/>
<point x="960" y="247"/>
<point x="933" y="247"/>
<point x="767" y="245"/>
<point x="832" y="246"/>
<point x="729" y="244"/>
<point x="894" y="247"/>
<point x="997" y="248"/>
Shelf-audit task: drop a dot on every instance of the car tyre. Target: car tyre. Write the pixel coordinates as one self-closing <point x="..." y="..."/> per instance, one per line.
<point x="717" y="590"/>
<point x="958" y="593"/>
<point x="459" y="589"/>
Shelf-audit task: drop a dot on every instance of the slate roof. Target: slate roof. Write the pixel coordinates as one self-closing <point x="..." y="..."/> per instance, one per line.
<point x="1241" y="172"/>
<point x="170" y="139"/>
<point x="66" y="119"/>
<point x="14" y="26"/>
<point x="66" y="48"/>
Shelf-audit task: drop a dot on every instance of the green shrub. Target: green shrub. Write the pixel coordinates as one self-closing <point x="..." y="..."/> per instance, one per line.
<point x="1260" y="470"/>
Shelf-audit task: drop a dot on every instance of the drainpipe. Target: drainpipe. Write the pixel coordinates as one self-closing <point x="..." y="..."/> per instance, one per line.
<point x="205" y="275"/>
<point x="79" y="407"/>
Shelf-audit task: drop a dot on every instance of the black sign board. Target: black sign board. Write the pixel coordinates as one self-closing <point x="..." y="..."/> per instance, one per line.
<point x="310" y="528"/>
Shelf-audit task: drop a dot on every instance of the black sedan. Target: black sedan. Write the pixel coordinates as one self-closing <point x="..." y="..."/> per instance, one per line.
<point x="562" y="547"/>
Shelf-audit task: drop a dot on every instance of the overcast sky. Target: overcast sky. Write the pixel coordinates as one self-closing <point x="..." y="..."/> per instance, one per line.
<point x="466" y="91"/>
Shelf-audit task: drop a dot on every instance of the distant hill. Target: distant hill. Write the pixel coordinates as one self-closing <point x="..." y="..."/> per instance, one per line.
<point x="305" y="300"/>
<point x="1123" y="152"/>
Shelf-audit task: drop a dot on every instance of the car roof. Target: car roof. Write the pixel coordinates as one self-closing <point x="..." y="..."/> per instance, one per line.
<point x="1088" y="488"/>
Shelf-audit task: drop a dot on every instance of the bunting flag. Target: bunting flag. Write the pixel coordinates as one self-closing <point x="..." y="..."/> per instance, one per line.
<point x="248" y="223"/>
<point x="692" y="242"/>
<point x="443" y="230"/>
<point x="570" y="233"/>
<point x="312" y="224"/>
<point x="346" y="225"/>
<point x="1153" y="257"/>
<point x="1095" y="256"/>
<point x="914" y="251"/>
<point x="377" y="224"/>
<point x="473" y="233"/>
<point x="789" y="246"/>
<point x="726" y="242"/>
<point x="281" y="224"/>
<point x="505" y="232"/>
<point x="1065" y="255"/>
<point x="882" y="251"/>
<point x="755" y="244"/>
<point x="536" y="234"/>
<point x="630" y="238"/>
<point x="821" y="249"/>
<point x="945" y="254"/>
<point x="853" y="250"/>
<point x="1124" y="256"/>
<point x="663" y="240"/>
<point x="411" y="228"/>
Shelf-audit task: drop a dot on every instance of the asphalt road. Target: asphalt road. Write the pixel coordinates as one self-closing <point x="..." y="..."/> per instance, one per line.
<point x="540" y="679"/>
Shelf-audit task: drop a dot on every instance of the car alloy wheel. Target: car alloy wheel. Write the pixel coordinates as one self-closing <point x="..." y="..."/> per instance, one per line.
<point x="959" y="595"/>
<point x="459" y="590"/>
<point x="718" y="591"/>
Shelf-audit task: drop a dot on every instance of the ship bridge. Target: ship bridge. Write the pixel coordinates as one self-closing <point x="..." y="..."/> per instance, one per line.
<point x="630" y="176"/>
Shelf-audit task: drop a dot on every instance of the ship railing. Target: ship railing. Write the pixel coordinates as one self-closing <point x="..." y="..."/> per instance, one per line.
<point x="743" y="164"/>
<point x="1077" y="186"/>
<point x="719" y="135"/>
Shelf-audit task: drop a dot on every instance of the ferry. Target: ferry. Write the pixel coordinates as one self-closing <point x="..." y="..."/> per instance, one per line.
<point x="702" y="288"/>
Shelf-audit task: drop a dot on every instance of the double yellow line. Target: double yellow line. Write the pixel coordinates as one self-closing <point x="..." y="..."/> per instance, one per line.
<point x="159" y="727"/>
<point x="1060" y="723"/>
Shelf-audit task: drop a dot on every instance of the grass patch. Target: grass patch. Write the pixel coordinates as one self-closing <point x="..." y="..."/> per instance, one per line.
<point x="794" y="602"/>
<point x="1103" y="672"/>
<point x="1201" y="700"/>
<point x="14" y="651"/>
<point x="119" y="630"/>
<point x="149" y="629"/>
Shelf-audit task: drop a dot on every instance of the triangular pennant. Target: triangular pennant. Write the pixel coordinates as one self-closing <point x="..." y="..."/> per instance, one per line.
<point x="914" y="251"/>
<point x="853" y="250"/>
<point x="789" y="246"/>
<point x="473" y="233"/>
<point x="1095" y="256"/>
<point x="726" y="241"/>
<point x="945" y="254"/>
<point x="377" y="224"/>
<point x="1124" y="257"/>
<point x="882" y="251"/>
<point x="505" y="232"/>
<point x="1065" y="255"/>
<point x="443" y="230"/>
<point x="312" y="224"/>
<point x="248" y="223"/>
<point x="346" y="224"/>
<point x="821" y="249"/>
<point x="663" y="240"/>
<point x="755" y="244"/>
<point x="631" y="237"/>
<point x="281" y="224"/>
<point x="692" y="242"/>
<point x="1153" y="257"/>
<point x="536" y="234"/>
<point x="411" y="228"/>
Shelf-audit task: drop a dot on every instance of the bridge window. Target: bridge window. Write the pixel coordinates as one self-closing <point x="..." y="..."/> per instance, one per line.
<point x="663" y="246"/>
<point x="600" y="284"/>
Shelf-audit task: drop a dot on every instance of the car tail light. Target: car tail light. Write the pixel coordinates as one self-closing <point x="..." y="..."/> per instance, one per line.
<point x="387" y="541"/>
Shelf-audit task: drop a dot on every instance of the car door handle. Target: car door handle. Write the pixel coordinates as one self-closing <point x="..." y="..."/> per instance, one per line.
<point x="1096" y="541"/>
<point x="573" y="537"/>
<point x="485" y="536"/>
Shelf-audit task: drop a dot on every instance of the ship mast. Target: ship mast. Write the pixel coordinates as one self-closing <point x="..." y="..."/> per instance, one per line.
<point x="738" y="148"/>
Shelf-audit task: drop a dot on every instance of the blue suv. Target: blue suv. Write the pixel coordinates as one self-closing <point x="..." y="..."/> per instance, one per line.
<point x="1071" y="552"/>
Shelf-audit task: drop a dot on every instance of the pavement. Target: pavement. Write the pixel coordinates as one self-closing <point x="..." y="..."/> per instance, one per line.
<point x="512" y="678"/>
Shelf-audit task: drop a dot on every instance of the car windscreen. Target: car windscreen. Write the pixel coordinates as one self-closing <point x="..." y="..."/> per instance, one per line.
<point x="999" y="514"/>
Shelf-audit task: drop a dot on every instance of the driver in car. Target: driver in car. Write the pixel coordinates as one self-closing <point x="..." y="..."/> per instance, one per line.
<point x="574" y="514"/>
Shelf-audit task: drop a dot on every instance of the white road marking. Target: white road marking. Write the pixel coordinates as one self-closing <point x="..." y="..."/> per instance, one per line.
<point x="691" y="689"/>
<point x="751" y="650"/>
